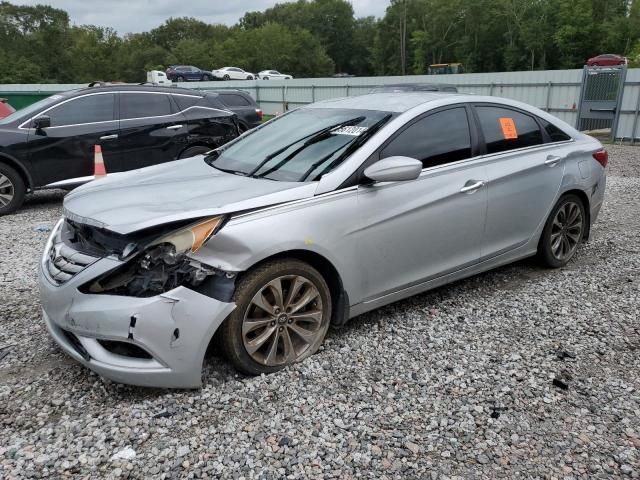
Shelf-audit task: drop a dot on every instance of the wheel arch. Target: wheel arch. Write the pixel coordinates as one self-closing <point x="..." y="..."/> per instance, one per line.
<point x="586" y="203"/>
<point x="339" y="296"/>
<point x="20" y="168"/>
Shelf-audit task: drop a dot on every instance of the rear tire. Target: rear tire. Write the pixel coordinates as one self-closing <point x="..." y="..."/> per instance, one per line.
<point x="563" y="232"/>
<point x="226" y="77"/>
<point x="12" y="190"/>
<point x="180" y="79"/>
<point x="290" y="327"/>
<point x="265" y="78"/>
<point x="193" y="151"/>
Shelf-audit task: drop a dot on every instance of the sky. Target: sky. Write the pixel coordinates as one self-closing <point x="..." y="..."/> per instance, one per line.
<point x="132" y="16"/>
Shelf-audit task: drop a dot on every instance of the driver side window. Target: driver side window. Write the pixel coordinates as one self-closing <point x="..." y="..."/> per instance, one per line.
<point x="437" y="139"/>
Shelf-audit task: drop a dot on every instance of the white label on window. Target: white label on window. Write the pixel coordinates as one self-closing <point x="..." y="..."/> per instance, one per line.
<point x="350" y="130"/>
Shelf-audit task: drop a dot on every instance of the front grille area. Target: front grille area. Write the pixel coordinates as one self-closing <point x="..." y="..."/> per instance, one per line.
<point x="63" y="262"/>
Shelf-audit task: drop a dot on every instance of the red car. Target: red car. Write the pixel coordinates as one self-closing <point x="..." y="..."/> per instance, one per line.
<point x="5" y="108"/>
<point x="607" y="60"/>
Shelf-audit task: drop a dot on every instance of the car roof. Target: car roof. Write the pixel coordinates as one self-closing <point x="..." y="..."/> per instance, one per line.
<point x="386" y="102"/>
<point x="134" y="88"/>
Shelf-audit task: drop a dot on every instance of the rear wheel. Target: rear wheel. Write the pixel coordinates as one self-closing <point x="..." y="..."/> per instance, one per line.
<point x="206" y="78"/>
<point x="265" y="78"/>
<point x="12" y="190"/>
<point x="563" y="232"/>
<point x="282" y="316"/>
<point x="193" y="151"/>
<point x="226" y="77"/>
<point x="180" y="79"/>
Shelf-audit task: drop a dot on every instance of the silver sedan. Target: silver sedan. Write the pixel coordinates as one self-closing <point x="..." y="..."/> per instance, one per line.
<point x="315" y="217"/>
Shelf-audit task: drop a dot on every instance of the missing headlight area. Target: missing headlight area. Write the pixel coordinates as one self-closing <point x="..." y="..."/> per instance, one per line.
<point x="158" y="270"/>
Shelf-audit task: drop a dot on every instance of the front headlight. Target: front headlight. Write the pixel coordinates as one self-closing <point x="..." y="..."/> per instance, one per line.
<point x="163" y="265"/>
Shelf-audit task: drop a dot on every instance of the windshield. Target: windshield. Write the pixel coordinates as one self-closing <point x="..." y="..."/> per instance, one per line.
<point x="29" y="110"/>
<point x="302" y="145"/>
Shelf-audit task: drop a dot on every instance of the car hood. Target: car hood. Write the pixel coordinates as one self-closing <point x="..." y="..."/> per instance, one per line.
<point x="184" y="189"/>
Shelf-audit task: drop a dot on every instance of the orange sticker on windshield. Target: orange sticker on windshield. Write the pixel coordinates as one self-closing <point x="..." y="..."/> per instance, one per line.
<point x="508" y="126"/>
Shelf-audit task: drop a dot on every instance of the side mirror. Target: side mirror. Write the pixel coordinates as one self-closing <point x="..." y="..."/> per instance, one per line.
<point x="394" y="169"/>
<point x="42" y="122"/>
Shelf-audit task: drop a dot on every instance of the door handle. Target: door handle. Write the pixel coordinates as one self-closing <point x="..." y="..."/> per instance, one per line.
<point x="473" y="187"/>
<point x="552" y="160"/>
<point x="174" y="127"/>
<point x="109" y="137"/>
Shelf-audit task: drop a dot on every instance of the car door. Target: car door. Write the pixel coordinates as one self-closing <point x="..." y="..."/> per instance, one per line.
<point x="418" y="230"/>
<point x="523" y="176"/>
<point x="65" y="150"/>
<point x="151" y="129"/>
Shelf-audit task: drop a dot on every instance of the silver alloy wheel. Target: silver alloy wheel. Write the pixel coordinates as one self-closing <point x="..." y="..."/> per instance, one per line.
<point x="7" y="190"/>
<point x="283" y="320"/>
<point x="566" y="231"/>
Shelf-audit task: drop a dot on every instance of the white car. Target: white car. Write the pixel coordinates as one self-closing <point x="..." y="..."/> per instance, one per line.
<point x="232" y="73"/>
<point x="273" y="74"/>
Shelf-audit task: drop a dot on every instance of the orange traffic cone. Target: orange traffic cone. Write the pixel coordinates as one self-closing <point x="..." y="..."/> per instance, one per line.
<point x="99" y="170"/>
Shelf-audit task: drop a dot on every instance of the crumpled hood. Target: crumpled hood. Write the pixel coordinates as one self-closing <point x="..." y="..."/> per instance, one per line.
<point x="190" y="188"/>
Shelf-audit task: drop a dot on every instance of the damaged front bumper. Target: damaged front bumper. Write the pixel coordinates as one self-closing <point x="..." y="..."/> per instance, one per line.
<point x="158" y="341"/>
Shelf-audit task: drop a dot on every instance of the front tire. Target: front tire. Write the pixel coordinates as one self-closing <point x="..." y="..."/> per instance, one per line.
<point x="226" y="77"/>
<point x="12" y="190"/>
<point x="282" y="316"/>
<point x="563" y="232"/>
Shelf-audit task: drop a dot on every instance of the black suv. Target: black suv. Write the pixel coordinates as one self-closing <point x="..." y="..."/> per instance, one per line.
<point x="51" y="143"/>
<point x="243" y="105"/>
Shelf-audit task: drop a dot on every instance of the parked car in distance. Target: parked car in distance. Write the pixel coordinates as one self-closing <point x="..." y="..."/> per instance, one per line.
<point x="5" y="108"/>
<point x="415" y="87"/>
<point x="51" y="143"/>
<point x="320" y="215"/>
<point x="232" y="73"/>
<point x="273" y="75"/>
<point x="188" y="73"/>
<point x="607" y="60"/>
<point x="243" y="105"/>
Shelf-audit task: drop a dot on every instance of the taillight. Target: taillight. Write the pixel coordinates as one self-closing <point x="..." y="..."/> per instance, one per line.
<point x="259" y="113"/>
<point x="602" y="156"/>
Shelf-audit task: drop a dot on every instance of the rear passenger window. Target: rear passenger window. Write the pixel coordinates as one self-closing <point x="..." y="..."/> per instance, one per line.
<point x="234" y="100"/>
<point x="506" y="129"/>
<point x="140" y="105"/>
<point x="185" y="101"/>
<point x="554" y="132"/>
<point x="438" y="139"/>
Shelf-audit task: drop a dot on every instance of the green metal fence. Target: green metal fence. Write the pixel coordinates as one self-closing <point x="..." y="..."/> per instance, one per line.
<point x="20" y="100"/>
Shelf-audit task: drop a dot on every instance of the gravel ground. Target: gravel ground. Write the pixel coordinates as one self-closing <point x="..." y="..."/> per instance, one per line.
<point x="458" y="382"/>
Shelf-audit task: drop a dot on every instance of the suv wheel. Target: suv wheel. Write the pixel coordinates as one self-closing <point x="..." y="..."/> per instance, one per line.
<point x="282" y="316"/>
<point x="563" y="232"/>
<point x="12" y="190"/>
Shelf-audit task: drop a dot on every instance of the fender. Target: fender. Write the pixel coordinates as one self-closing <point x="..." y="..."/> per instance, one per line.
<point x="14" y="162"/>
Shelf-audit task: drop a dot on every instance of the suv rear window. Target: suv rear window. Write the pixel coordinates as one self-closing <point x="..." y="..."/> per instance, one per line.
<point x="141" y="105"/>
<point x="234" y="100"/>
<point x="186" y="101"/>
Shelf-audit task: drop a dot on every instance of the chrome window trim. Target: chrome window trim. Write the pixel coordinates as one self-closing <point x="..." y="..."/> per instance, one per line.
<point x="22" y="125"/>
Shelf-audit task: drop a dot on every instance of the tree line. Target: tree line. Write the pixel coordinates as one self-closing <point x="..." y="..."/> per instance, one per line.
<point x="309" y="38"/>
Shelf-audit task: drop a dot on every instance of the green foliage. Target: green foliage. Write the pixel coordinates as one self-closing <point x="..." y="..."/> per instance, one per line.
<point x="319" y="37"/>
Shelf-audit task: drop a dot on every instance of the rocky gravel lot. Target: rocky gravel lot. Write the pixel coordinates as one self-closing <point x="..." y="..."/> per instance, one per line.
<point x="517" y="373"/>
